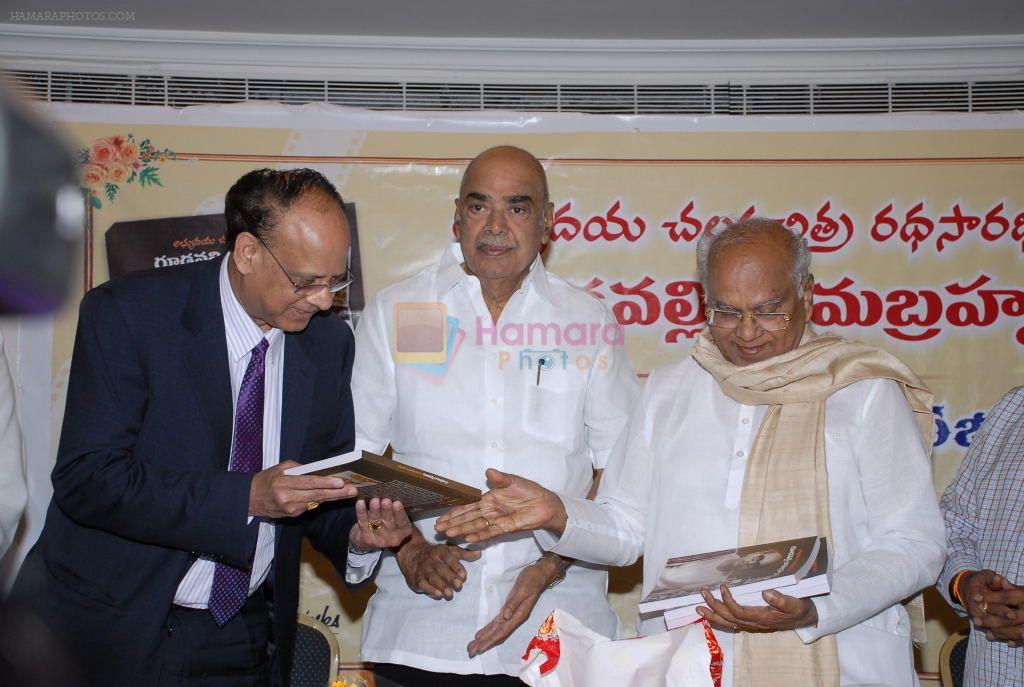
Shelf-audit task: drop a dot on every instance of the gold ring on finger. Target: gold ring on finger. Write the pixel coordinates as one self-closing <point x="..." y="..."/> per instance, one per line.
<point x="488" y="523"/>
<point x="984" y="606"/>
<point x="374" y="525"/>
<point x="312" y="504"/>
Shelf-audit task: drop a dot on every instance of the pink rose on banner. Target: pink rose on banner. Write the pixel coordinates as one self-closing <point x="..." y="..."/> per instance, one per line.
<point x="103" y="152"/>
<point x="93" y="175"/>
<point x="128" y="152"/>
<point x="118" y="173"/>
<point x="115" y="160"/>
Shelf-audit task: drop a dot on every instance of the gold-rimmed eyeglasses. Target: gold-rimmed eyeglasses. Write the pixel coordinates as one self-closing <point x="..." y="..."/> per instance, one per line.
<point x="730" y="319"/>
<point x="303" y="288"/>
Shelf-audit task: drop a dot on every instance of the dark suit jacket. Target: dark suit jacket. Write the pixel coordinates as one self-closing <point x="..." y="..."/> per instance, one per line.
<point x="141" y="484"/>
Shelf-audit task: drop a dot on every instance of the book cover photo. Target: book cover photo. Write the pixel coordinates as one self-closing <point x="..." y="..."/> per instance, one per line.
<point x="745" y="569"/>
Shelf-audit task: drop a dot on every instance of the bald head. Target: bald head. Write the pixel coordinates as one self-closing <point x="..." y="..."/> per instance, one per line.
<point x="508" y="156"/>
<point x="502" y="216"/>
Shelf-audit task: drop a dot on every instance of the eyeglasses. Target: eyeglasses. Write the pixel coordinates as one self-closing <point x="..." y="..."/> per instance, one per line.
<point x="307" y="289"/>
<point x="730" y="319"/>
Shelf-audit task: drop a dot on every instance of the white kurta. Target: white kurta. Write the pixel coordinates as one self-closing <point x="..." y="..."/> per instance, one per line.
<point x="486" y="408"/>
<point x="672" y="488"/>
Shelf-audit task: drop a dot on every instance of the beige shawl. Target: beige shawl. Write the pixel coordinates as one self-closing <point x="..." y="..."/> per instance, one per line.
<point x="785" y="489"/>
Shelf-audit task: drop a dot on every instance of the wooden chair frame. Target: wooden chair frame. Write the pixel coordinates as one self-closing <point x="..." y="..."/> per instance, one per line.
<point x="945" y="672"/>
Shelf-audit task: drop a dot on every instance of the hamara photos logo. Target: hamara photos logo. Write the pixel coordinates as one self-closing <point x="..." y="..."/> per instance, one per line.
<point x="426" y="338"/>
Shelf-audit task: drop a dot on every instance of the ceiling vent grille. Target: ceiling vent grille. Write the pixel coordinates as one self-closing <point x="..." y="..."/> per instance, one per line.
<point x="689" y="99"/>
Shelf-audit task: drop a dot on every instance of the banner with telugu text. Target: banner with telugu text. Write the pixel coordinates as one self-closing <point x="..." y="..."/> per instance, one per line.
<point x="915" y="222"/>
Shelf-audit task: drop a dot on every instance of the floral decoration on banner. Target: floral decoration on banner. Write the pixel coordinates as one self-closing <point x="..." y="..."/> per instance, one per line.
<point x="115" y="160"/>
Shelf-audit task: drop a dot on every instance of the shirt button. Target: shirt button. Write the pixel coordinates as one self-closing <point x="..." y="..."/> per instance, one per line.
<point x="739" y="454"/>
<point x="494" y="401"/>
<point x="490" y="588"/>
<point x="494" y="444"/>
<point x="746" y="421"/>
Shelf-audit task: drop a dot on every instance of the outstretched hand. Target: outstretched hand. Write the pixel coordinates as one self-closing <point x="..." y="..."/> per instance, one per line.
<point x="514" y="504"/>
<point x="530" y="584"/>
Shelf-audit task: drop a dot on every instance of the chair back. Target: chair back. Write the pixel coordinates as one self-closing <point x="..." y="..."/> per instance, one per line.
<point x="316" y="654"/>
<point x="952" y="657"/>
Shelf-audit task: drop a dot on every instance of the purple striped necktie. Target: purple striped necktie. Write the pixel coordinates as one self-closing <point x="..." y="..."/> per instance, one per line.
<point x="230" y="584"/>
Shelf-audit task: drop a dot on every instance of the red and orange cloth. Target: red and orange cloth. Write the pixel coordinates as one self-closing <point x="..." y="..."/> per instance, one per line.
<point x="564" y="653"/>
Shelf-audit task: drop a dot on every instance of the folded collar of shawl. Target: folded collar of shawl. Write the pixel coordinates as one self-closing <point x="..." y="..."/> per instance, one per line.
<point x="805" y="374"/>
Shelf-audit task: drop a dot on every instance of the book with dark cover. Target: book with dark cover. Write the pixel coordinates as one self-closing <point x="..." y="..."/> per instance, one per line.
<point x="745" y="569"/>
<point x="378" y="477"/>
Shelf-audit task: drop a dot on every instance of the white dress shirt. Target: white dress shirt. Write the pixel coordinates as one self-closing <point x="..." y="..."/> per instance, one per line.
<point x="672" y="488"/>
<point x="242" y="336"/>
<point x="480" y="410"/>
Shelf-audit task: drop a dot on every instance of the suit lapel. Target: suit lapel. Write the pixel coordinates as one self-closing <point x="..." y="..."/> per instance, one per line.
<point x="296" y="402"/>
<point x="206" y="359"/>
<point x="297" y="397"/>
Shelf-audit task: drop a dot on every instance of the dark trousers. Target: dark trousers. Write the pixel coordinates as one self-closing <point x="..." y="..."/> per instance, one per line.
<point x="198" y="653"/>
<point x="394" y="675"/>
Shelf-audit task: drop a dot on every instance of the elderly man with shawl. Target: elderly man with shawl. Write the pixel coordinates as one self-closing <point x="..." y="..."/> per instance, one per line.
<point x="767" y="432"/>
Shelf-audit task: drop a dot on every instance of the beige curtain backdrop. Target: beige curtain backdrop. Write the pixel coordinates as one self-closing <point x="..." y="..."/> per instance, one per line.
<point x="916" y="223"/>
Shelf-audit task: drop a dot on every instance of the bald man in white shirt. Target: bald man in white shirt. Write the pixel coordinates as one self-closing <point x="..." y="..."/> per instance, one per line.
<point x="534" y="377"/>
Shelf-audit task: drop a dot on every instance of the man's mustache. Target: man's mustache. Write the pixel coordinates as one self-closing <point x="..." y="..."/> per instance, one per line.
<point x="484" y="243"/>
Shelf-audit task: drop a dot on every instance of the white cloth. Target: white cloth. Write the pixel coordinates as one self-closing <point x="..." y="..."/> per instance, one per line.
<point x="483" y="410"/>
<point x="13" y="489"/>
<point x="679" y="658"/>
<point x="242" y="336"/>
<point x="671" y="489"/>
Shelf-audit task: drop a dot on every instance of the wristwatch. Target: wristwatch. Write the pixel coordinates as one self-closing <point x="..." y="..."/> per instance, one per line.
<point x="561" y="565"/>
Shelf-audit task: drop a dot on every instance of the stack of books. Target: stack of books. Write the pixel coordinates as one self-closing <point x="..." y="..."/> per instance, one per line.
<point x="797" y="567"/>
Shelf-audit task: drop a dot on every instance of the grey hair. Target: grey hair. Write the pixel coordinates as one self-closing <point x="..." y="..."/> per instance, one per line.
<point x="744" y="231"/>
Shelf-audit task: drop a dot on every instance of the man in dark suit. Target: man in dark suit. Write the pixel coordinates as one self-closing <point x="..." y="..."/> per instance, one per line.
<point x="170" y="553"/>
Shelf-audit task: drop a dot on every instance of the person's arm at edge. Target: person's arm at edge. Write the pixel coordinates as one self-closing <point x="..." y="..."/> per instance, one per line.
<point x="13" y="489"/>
<point x="960" y="509"/>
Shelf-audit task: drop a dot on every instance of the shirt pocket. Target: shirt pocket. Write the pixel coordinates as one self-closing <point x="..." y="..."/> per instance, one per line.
<point x="552" y="406"/>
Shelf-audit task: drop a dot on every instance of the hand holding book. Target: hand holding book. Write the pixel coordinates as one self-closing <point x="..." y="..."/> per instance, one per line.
<point x="514" y="504"/>
<point x="782" y="612"/>
<point x="368" y="476"/>
<point x="278" y="492"/>
<point x="758" y="588"/>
